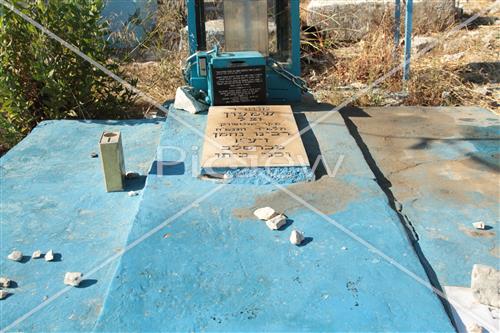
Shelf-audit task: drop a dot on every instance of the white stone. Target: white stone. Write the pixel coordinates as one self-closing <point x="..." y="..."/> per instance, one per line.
<point x="479" y="225"/>
<point x="485" y="285"/>
<point x="73" y="278"/>
<point x="264" y="213"/>
<point x="453" y="57"/>
<point x="133" y="193"/>
<point x="474" y="328"/>
<point x="37" y="254"/>
<point x="15" y="256"/>
<point x="296" y="237"/>
<point x="49" y="256"/>
<point x="3" y="294"/>
<point x="423" y="44"/>
<point x="5" y="282"/>
<point x="132" y="175"/>
<point x="276" y="222"/>
<point x="188" y="99"/>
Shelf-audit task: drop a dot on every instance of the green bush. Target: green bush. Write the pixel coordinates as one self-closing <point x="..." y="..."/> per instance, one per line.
<point x="40" y="79"/>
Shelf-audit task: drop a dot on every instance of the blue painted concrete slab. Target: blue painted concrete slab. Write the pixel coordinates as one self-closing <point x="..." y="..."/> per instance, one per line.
<point x="53" y="197"/>
<point x="214" y="267"/>
<point x="443" y="166"/>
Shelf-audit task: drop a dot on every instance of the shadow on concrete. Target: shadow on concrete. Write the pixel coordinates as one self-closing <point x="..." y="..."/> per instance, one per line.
<point x="306" y="241"/>
<point x="135" y="184"/>
<point x="87" y="283"/>
<point x="24" y="259"/>
<point x="167" y="168"/>
<point x="311" y="145"/>
<point x="288" y="223"/>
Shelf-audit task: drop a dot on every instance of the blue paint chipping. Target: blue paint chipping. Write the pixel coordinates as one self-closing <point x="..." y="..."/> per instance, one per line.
<point x="262" y="175"/>
<point x="213" y="267"/>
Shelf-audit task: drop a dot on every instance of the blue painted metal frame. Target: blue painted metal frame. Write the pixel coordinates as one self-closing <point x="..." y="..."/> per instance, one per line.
<point x="408" y="33"/>
<point x="279" y="89"/>
<point x="397" y="24"/>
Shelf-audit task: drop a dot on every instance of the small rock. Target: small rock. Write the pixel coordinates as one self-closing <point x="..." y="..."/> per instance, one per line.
<point x="5" y="282"/>
<point x="3" y="294"/>
<point x="276" y="222"/>
<point x="485" y="285"/>
<point x="94" y="155"/>
<point x="265" y="213"/>
<point x="296" y="238"/>
<point x="474" y="328"/>
<point x="358" y="85"/>
<point x="423" y="44"/>
<point x="132" y="175"/>
<point x="73" y="278"/>
<point x="37" y="254"/>
<point x="453" y="57"/>
<point x="133" y="193"/>
<point x="483" y="91"/>
<point x="190" y="99"/>
<point x="49" y="256"/>
<point x="479" y="225"/>
<point x="15" y="256"/>
<point x="445" y="95"/>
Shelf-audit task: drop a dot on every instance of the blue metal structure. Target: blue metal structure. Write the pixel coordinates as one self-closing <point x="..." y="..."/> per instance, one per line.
<point x="397" y="23"/>
<point x="408" y="32"/>
<point x="280" y="70"/>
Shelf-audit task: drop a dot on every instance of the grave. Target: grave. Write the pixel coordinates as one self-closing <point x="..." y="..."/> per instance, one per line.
<point x="254" y="144"/>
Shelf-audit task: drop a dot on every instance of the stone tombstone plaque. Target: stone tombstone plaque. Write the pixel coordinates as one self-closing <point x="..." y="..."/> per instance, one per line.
<point x="252" y="136"/>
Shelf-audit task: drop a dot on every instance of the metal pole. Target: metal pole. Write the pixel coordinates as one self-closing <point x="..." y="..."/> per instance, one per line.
<point x="408" y="32"/>
<point x="397" y="24"/>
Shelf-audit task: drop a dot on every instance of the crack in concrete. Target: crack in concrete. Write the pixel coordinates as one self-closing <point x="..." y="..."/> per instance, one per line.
<point x="385" y="185"/>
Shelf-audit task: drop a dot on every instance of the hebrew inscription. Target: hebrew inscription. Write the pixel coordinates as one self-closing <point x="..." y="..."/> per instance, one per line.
<point x="252" y="136"/>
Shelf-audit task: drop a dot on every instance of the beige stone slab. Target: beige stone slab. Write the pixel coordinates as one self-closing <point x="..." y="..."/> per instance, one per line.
<point x="252" y="136"/>
<point x="113" y="164"/>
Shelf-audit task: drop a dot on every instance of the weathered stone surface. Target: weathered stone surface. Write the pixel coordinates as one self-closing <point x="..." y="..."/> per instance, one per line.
<point x="187" y="99"/>
<point x="37" y="254"/>
<point x="350" y="20"/>
<point x="485" y="284"/>
<point x="474" y="328"/>
<point x="297" y="237"/>
<point x="15" y="256"/>
<point x="264" y="213"/>
<point x="73" y="278"/>
<point x="423" y="44"/>
<point x="479" y="225"/>
<point x="276" y="222"/>
<point x="252" y="136"/>
<point x="3" y="294"/>
<point x="49" y="256"/>
<point x="5" y="282"/>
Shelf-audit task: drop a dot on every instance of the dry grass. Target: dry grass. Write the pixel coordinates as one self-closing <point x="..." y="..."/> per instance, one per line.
<point x="440" y="77"/>
<point x="443" y="76"/>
